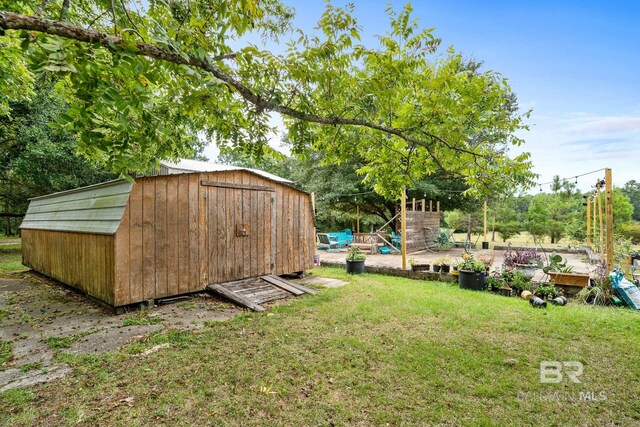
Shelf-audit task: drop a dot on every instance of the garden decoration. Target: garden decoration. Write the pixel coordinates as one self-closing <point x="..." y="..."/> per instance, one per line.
<point x="537" y="302"/>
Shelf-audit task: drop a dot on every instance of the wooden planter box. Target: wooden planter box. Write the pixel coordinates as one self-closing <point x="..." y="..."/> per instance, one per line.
<point x="570" y="279"/>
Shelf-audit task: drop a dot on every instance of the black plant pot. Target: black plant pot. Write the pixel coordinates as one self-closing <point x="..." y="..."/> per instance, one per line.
<point x="436" y="268"/>
<point x="471" y="280"/>
<point x="355" y="267"/>
<point x="420" y="267"/>
<point x="446" y="268"/>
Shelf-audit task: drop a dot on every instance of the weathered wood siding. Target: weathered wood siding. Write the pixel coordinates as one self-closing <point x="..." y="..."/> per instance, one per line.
<point x="177" y="235"/>
<point x="422" y="229"/>
<point x="84" y="261"/>
<point x="156" y="245"/>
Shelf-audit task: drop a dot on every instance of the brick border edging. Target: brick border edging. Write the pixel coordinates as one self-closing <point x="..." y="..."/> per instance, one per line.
<point x="390" y="271"/>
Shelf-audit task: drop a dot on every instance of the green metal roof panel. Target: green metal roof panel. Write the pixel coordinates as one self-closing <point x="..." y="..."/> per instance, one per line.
<point x="94" y="209"/>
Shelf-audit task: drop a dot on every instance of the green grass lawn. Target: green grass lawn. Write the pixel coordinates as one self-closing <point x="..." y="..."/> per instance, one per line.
<point x="381" y="351"/>
<point x="522" y="239"/>
<point x="10" y="258"/>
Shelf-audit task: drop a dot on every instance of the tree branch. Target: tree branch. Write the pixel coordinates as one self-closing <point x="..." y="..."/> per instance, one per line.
<point x="16" y="21"/>
<point x="43" y="5"/>
<point x="64" y="12"/>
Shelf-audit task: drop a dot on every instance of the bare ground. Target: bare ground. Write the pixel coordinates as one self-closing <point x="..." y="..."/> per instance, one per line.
<point x="40" y="318"/>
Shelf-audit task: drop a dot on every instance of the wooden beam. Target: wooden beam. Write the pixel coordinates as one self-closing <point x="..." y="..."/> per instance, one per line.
<point x="293" y="285"/>
<point x="601" y="219"/>
<point x="315" y="231"/>
<point x="404" y="227"/>
<point x="485" y="221"/>
<point x="609" y="212"/>
<point x="588" y="221"/>
<point x="283" y="284"/>
<point x="595" y="218"/>
<point x="233" y="296"/>
<point x="357" y="219"/>
<point x="237" y="186"/>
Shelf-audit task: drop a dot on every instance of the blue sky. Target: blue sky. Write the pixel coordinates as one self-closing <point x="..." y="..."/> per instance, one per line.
<point x="575" y="63"/>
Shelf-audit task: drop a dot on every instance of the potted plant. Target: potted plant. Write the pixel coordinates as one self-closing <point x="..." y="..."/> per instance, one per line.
<point x="562" y="274"/>
<point x="546" y="291"/>
<point x="415" y="266"/>
<point x="445" y="266"/>
<point x="472" y="273"/>
<point x="355" y="260"/>
<point x="487" y="260"/>
<point x="494" y="282"/>
<point x="524" y="260"/>
<point x="519" y="282"/>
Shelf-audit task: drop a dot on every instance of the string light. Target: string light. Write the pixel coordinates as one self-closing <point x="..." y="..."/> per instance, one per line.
<point x="567" y="179"/>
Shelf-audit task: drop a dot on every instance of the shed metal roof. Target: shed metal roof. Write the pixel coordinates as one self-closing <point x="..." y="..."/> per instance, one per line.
<point x="186" y="166"/>
<point x="95" y="209"/>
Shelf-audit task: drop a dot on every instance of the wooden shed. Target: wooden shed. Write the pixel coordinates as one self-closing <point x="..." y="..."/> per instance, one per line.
<point x="166" y="235"/>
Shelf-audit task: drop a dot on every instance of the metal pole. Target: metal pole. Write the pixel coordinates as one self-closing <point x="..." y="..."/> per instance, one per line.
<point x="609" y="211"/>
<point x="403" y="208"/>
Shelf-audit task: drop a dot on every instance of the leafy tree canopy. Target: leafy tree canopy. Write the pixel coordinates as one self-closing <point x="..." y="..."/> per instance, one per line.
<point x="146" y="80"/>
<point x="632" y="190"/>
<point x="37" y="159"/>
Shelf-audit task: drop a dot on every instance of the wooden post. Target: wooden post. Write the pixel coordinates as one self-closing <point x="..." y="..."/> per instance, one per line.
<point x="493" y="227"/>
<point x="315" y="235"/>
<point x="413" y="204"/>
<point x="404" y="227"/>
<point x="595" y="218"/>
<point x="588" y="221"/>
<point x="357" y="219"/>
<point x="423" y="204"/>
<point x="485" y="221"/>
<point x="430" y="205"/>
<point x="437" y="205"/>
<point x="609" y="211"/>
<point x="601" y="219"/>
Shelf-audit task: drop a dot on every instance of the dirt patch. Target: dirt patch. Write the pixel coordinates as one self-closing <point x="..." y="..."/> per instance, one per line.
<point x="40" y="318"/>
<point x="321" y="281"/>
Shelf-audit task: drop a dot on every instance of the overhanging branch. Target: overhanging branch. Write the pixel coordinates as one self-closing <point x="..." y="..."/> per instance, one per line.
<point x="16" y="21"/>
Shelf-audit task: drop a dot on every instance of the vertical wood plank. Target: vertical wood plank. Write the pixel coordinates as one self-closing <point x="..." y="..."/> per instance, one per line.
<point x="212" y="226"/>
<point x="184" y="263"/>
<point x="197" y="242"/>
<point x="148" y="239"/>
<point x="161" y="235"/>
<point x="172" y="236"/>
<point x="122" y="268"/>
<point x="136" y="285"/>
<point x="238" y="241"/>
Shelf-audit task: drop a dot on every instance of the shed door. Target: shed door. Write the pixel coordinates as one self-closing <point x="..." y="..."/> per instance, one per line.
<point x="241" y="232"/>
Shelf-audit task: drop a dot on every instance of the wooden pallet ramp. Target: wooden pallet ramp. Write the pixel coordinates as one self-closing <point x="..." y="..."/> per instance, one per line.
<point x="253" y="292"/>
